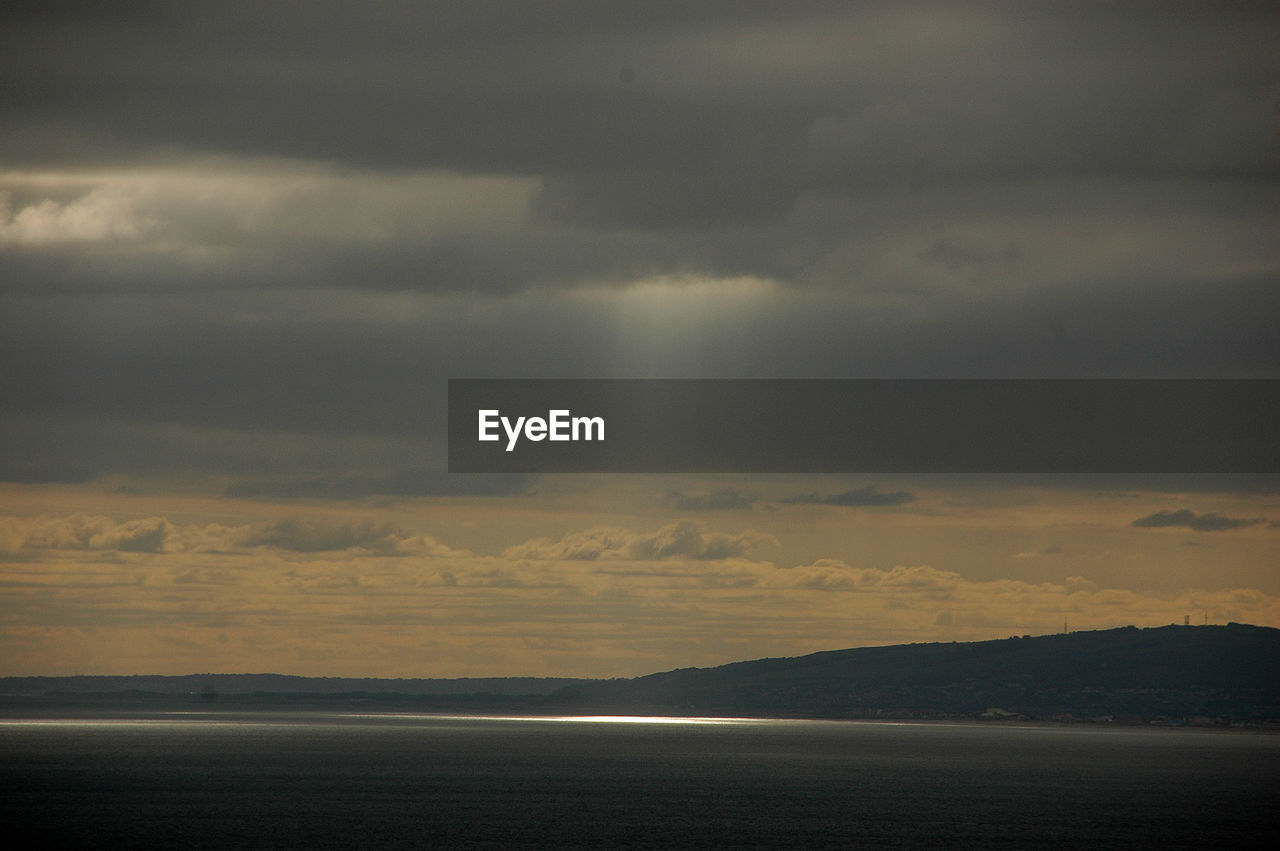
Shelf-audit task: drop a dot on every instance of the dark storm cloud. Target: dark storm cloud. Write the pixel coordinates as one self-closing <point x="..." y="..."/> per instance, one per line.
<point x="857" y="498"/>
<point x="872" y="148"/>
<point x="260" y="461"/>
<point x="1188" y="519"/>
<point x="477" y="86"/>
<point x="197" y="361"/>
<point x="734" y="109"/>
<point x="294" y="406"/>
<point x="159" y="242"/>
<point x="255" y="239"/>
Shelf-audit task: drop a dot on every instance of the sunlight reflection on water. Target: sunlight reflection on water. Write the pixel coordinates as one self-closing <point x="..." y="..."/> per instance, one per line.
<point x="579" y="719"/>
<point x="219" y="779"/>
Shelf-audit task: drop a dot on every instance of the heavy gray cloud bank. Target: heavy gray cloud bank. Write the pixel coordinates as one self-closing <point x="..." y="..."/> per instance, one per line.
<point x="238" y="224"/>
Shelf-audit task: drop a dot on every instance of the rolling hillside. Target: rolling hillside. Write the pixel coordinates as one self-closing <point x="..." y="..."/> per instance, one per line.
<point x="1227" y="671"/>
<point x="1194" y="674"/>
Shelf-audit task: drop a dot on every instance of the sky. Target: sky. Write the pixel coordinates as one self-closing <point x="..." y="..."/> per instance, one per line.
<point x="244" y="245"/>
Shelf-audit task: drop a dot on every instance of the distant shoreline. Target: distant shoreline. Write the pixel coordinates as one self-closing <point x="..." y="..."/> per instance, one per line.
<point x="1197" y="676"/>
<point x="12" y="713"/>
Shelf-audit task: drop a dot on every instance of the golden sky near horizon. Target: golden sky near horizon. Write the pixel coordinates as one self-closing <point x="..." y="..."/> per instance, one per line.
<point x="599" y="579"/>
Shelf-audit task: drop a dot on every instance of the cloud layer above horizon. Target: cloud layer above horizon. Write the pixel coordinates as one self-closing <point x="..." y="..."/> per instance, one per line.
<point x="301" y="219"/>
<point x="345" y="596"/>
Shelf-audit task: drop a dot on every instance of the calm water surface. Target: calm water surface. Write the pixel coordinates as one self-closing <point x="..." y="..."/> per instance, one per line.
<point x="328" y="780"/>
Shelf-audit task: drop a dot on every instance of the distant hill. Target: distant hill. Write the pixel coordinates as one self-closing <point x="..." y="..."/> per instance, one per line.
<point x="1228" y="671"/>
<point x="1176" y="674"/>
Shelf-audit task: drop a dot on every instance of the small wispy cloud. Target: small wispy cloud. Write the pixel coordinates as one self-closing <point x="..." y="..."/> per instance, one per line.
<point x="857" y="498"/>
<point x="722" y="500"/>
<point x="677" y="540"/>
<point x="1188" y="519"/>
<point x="160" y="535"/>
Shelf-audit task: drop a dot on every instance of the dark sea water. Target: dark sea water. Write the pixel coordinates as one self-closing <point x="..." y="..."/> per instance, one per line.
<point x="329" y="780"/>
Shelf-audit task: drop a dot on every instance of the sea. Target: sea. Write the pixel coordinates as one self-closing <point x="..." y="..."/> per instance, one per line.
<point x="329" y="780"/>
